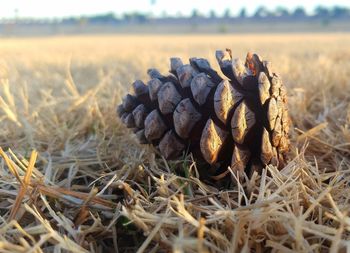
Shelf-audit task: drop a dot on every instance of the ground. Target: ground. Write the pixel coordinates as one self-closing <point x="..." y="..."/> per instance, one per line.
<point x="73" y="179"/>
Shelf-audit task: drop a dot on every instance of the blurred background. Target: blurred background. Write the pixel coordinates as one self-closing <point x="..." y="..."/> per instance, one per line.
<point x="40" y="17"/>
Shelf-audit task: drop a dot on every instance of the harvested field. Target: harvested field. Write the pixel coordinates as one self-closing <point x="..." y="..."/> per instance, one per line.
<point x="74" y="179"/>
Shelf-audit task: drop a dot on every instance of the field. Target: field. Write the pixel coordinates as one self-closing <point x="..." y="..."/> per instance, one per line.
<point x="74" y="179"/>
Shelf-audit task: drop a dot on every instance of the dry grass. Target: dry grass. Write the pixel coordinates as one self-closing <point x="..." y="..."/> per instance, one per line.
<point x="73" y="179"/>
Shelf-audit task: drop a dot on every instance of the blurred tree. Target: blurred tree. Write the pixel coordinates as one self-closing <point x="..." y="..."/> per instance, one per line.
<point x="281" y="12"/>
<point x="164" y="14"/>
<point x="194" y="20"/>
<point x="340" y="12"/>
<point x="261" y="12"/>
<point x="243" y="13"/>
<point x="322" y="12"/>
<point x="227" y="13"/>
<point x="16" y="15"/>
<point x="195" y="13"/>
<point x="212" y="14"/>
<point x="70" y="20"/>
<point x="299" y="12"/>
<point x="135" y="17"/>
<point x="103" y="18"/>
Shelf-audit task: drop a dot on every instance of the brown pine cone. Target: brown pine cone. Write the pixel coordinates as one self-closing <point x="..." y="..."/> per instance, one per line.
<point x="241" y="122"/>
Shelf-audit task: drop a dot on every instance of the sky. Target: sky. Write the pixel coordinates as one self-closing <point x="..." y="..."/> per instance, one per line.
<point x="66" y="8"/>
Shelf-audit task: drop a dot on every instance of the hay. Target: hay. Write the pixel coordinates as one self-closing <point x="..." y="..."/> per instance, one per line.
<point x="72" y="179"/>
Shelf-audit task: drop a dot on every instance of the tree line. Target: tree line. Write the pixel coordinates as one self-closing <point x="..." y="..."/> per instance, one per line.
<point x="261" y="13"/>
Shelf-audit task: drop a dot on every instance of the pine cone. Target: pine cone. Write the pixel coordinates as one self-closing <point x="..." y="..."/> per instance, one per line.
<point x="241" y="122"/>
